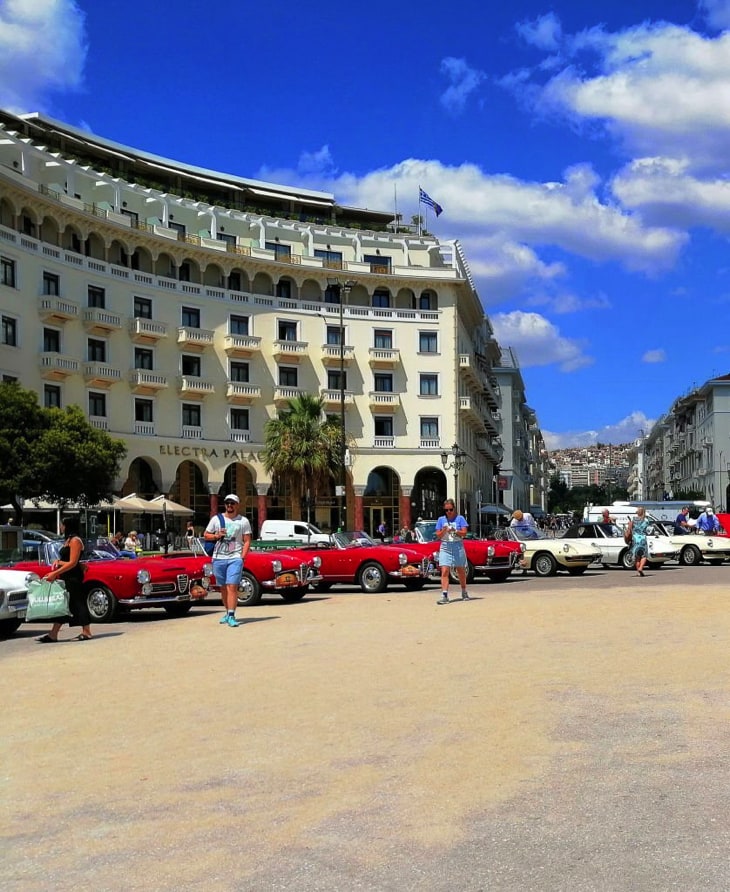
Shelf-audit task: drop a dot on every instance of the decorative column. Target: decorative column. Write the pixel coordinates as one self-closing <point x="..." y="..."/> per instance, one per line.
<point x="359" y="512"/>
<point x="405" y="506"/>
<point x="262" y="491"/>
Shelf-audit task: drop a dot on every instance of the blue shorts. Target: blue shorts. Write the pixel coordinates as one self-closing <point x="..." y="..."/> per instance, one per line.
<point x="228" y="571"/>
<point x="452" y="554"/>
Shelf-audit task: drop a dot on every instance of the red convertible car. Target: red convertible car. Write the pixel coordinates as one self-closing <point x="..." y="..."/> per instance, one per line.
<point x="485" y="557"/>
<point x="114" y="585"/>
<point x="353" y="558"/>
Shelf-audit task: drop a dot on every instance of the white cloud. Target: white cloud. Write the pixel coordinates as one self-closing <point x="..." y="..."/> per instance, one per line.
<point x="538" y="342"/>
<point x="463" y="82"/>
<point x="653" y="356"/>
<point x="544" y="32"/>
<point x="626" y="430"/>
<point x="565" y="302"/>
<point x="717" y="13"/>
<point x="42" y="51"/>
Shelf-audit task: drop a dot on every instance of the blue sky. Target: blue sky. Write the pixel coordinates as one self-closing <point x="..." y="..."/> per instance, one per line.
<point x="579" y="150"/>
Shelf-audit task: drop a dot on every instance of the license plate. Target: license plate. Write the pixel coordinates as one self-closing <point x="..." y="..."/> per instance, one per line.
<point x="287" y="579"/>
<point x="410" y="570"/>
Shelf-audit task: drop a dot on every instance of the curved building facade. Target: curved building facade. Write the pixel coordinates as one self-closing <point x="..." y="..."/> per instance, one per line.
<point x="182" y="308"/>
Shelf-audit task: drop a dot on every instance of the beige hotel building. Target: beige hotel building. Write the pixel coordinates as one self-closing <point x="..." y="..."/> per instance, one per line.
<point x="181" y="308"/>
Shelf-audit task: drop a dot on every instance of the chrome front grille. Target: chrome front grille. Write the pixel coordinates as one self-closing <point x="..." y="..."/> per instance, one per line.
<point x="183" y="581"/>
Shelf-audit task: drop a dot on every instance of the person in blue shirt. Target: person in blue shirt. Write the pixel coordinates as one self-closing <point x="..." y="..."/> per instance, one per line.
<point x="680" y="523"/>
<point x="451" y="528"/>
<point x="707" y="523"/>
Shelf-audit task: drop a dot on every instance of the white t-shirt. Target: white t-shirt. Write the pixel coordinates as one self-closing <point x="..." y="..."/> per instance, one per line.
<point x="236" y="528"/>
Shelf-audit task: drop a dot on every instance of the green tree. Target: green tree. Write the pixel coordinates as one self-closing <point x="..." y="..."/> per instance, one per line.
<point x="302" y="446"/>
<point x="52" y="454"/>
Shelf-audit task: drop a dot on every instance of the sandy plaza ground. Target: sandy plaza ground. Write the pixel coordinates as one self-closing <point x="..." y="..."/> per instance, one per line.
<point x="560" y="736"/>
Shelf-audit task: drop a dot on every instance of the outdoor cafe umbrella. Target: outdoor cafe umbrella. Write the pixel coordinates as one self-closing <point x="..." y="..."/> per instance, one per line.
<point x="133" y="504"/>
<point x="163" y="505"/>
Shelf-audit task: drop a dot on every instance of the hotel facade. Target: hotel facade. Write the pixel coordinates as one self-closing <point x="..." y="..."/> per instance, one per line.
<point x="183" y="308"/>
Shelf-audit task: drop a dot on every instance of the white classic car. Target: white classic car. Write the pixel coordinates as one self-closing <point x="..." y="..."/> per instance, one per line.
<point x="609" y="538"/>
<point x="546" y="555"/>
<point x="696" y="547"/>
<point x="13" y="599"/>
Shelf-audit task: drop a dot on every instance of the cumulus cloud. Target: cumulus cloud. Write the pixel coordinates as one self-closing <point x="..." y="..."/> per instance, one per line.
<point x="42" y="51"/>
<point x="538" y="342"/>
<point x="463" y="81"/>
<point x="543" y="32"/>
<point x="566" y="302"/>
<point x="652" y="356"/>
<point x="626" y="430"/>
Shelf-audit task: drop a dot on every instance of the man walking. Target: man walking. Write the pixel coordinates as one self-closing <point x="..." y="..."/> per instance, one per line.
<point x="232" y="541"/>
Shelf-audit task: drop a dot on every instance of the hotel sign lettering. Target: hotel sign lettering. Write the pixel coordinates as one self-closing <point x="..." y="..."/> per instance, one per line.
<point x="205" y="452"/>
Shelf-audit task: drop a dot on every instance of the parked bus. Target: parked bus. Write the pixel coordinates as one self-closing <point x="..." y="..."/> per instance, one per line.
<point x="659" y="510"/>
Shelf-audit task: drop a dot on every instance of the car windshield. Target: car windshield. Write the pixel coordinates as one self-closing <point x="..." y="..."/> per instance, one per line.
<point x="427" y="530"/>
<point x="527" y="532"/>
<point x="358" y="537"/>
<point x="93" y="551"/>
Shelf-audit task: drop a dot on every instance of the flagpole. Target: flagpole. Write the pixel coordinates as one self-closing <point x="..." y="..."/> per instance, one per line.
<point x="419" y="211"/>
<point x="395" y="204"/>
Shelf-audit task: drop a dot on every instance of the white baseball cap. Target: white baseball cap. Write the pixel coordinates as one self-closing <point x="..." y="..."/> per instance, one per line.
<point x="232" y="498"/>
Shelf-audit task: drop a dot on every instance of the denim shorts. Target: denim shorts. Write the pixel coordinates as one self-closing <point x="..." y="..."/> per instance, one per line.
<point x="452" y="554"/>
<point x="228" y="571"/>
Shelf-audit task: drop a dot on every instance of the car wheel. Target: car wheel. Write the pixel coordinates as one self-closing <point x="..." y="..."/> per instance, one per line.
<point x="9" y="627"/>
<point x="294" y="594"/>
<point x="454" y="576"/>
<point x="544" y="564"/>
<point x="690" y="556"/>
<point x="372" y="578"/>
<point x="414" y="585"/>
<point x="249" y="591"/>
<point x="101" y="603"/>
<point x="502" y="576"/>
<point x="627" y="561"/>
<point x="177" y="609"/>
<point x="576" y="571"/>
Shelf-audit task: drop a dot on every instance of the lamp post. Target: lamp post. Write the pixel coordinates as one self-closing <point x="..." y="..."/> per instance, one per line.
<point x="457" y="457"/>
<point x="343" y="291"/>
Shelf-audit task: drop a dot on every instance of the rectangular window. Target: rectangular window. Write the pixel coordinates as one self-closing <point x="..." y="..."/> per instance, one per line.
<point x="287" y="331"/>
<point x="332" y="294"/>
<point x="133" y="216"/>
<point x="425" y="302"/>
<point x="429" y="385"/>
<point x="383" y="426"/>
<point x="96" y="350"/>
<point x="179" y="228"/>
<point x="333" y="380"/>
<point x="333" y="335"/>
<point x="190" y="317"/>
<point x="7" y="272"/>
<point x="96" y="297"/>
<point x="143" y="358"/>
<point x="142" y="308"/>
<point x="330" y="259"/>
<point x="429" y="428"/>
<point x="190" y="365"/>
<point x="9" y="379"/>
<point x="383" y="382"/>
<point x="287" y="377"/>
<point x="381" y="299"/>
<point x="239" y="372"/>
<point x="283" y="289"/>
<point x="225" y="237"/>
<point x="383" y="339"/>
<point x="97" y="404"/>
<point x="239" y="325"/>
<point x="282" y="253"/>
<point x="191" y="415"/>
<point x="377" y="263"/>
<point x="51" y="340"/>
<point x="51" y="396"/>
<point x="239" y="419"/>
<point x="51" y="284"/>
<point x="428" y="342"/>
<point x="9" y="331"/>
<point x="144" y="411"/>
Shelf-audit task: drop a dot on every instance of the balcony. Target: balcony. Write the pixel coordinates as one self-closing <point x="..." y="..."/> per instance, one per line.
<point x="331" y="355"/>
<point x="471" y="411"/>
<point x="145" y="381"/>
<point x="146" y="331"/>
<point x="241" y="436"/>
<point x="144" y="428"/>
<point x="100" y="422"/>
<point x="101" y="322"/>
<point x="383" y="358"/>
<point x="52" y="308"/>
<point x="282" y="395"/>
<point x="469" y="370"/>
<point x="289" y="351"/>
<point x="491" y="391"/>
<point x="491" y="447"/>
<point x="430" y="443"/>
<point x="241" y="346"/>
<point x="332" y="397"/>
<point x="57" y="367"/>
<point x="101" y="374"/>
<point x="194" y="338"/>
<point x="191" y="432"/>
<point x="197" y="388"/>
<point x="385" y="443"/>
<point x="384" y="401"/>
<point x="242" y="393"/>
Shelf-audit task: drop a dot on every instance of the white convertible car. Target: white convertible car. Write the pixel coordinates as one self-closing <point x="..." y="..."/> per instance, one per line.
<point x="696" y="547"/>
<point x="546" y="555"/>
<point x="609" y="538"/>
<point x="13" y="599"/>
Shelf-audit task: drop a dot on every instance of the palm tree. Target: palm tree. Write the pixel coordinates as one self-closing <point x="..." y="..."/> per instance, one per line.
<point x="302" y="446"/>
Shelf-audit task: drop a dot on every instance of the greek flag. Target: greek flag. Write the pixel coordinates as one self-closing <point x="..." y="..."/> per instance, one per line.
<point x="425" y="198"/>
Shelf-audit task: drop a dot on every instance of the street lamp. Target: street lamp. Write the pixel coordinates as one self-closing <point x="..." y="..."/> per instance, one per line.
<point x="457" y="457"/>
<point x="343" y="291"/>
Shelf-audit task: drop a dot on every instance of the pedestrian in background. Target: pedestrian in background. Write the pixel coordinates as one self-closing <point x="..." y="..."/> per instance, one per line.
<point x="232" y="541"/>
<point x="707" y="523"/>
<point x="68" y="569"/>
<point x="450" y="530"/>
<point x="638" y="528"/>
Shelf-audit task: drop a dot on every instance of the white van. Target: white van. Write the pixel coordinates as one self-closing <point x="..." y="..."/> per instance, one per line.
<point x="292" y="530"/>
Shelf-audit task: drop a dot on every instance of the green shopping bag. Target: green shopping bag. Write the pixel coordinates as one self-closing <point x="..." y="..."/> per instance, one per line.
<point x="46" y="600"/>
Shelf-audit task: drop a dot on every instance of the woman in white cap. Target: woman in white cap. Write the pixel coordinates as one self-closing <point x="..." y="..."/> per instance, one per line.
<point x="232" y="540"/>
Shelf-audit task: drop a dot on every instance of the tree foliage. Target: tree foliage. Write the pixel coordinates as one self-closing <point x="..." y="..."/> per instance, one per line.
<point x="564" y="500"/>
<point x="302" y="447"/>
<point x="53" y="454"/>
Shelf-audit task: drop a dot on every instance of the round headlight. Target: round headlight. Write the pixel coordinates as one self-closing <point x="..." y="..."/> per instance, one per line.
<point x="208" y="569"/>
<point x="523" y="547"/>
<point x="143" y="576"/>
<point x="276" y="566"/>
<point x="402" y="559"/>
<point x="317" y="561"/>
<point x="566" y="548"/>
<point x="31" y="577"/>
<point x="490" y="550"/>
